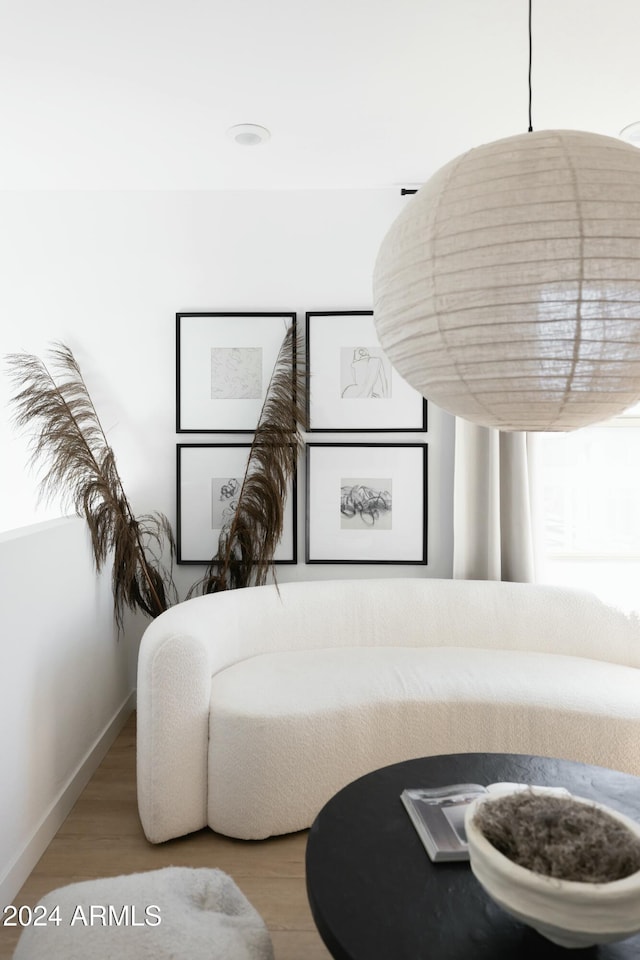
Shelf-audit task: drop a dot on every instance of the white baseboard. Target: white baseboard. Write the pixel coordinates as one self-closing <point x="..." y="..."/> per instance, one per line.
<point x="19" y="870"/>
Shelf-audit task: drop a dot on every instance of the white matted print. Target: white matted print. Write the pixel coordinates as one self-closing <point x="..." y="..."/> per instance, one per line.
<point x="365" y="374"/>
<point x="209" y="482"/>
<point x="366" y="503"/>
<point x="224" y="362"/>
<point x="236" y="373"/>
<point x="352" y="385"/>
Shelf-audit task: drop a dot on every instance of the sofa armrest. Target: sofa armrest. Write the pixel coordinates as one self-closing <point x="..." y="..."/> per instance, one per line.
<point x="174" y="684"/>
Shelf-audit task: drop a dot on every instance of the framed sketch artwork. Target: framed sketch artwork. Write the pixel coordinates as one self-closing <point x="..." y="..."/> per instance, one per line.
<point x="366" y="503"/>
<point x="352" y="385"/>
<point x="209" y="478"/>
<point x="224" y="363"/>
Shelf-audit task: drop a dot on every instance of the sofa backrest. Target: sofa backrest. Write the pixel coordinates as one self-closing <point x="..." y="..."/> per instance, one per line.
<point x="238" y="624"/>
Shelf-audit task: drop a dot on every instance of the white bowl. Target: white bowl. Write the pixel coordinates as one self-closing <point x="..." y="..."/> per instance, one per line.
<point x="566" y="912"/>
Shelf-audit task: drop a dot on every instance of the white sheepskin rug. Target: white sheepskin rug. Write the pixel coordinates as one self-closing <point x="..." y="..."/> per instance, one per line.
<point x="167" y="914"/>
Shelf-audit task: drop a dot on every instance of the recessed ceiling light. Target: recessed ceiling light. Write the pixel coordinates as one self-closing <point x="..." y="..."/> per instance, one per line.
<point x="631" y="133"/>
<point x="248" y="134"/>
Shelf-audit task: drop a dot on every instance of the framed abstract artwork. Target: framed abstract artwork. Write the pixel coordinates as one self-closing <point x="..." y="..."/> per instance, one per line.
<point x="366" y="503"/>
<point x="352" y="385"/>
<point x="224" y="363"/>
<point x="209" y="478"/>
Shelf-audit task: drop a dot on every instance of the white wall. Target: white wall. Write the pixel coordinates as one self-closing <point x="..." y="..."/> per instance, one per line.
<point x="65" y="685"/>
<point x="106" y="274"/>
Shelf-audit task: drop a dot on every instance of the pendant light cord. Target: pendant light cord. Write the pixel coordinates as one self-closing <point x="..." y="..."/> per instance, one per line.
<point x="530" y="59"/>
<point x="405" y="191"/>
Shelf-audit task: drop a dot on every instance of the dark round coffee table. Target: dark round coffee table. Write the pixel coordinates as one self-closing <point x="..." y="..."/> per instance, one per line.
<point x="375" y="895"/>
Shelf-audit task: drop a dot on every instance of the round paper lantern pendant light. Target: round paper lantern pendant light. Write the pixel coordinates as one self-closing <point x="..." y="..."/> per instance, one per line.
<point x="508" y="290"/>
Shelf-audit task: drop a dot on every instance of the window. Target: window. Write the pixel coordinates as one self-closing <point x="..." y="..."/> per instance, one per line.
<point x="589" y="483"/>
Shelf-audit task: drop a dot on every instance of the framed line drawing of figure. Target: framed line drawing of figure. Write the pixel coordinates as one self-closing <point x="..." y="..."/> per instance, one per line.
<point x="366" y="503"/>
<point x="352" y="385"/>
<point x="369" y="375"/>
<point x="224" y="362"/>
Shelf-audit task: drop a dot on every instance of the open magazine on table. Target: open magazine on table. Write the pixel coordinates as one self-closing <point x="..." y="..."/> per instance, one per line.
<point x="438" y="816"/>
<point x="438" y="813"/>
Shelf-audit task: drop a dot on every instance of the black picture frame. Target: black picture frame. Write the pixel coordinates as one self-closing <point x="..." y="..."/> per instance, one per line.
<point x="224" y="363"/>
<point x="366" y="503"/>
<point x="352" y="386"/>
<point x="200" y="469"/>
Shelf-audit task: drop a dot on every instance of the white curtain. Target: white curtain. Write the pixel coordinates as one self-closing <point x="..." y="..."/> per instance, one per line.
<point x="493" y="505"/>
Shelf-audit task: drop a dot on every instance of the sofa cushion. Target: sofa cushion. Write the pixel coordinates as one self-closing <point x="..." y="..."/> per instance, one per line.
<point x="288" y="729"/>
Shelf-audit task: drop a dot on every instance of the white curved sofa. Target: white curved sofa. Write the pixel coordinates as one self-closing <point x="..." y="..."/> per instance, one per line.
<point x="255" y="706"/>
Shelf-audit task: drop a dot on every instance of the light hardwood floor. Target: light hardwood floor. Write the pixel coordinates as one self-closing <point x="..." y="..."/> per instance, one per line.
<point x="102" y="837"/>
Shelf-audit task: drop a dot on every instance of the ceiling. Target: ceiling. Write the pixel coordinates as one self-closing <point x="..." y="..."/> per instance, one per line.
<point x="138" y="94"/>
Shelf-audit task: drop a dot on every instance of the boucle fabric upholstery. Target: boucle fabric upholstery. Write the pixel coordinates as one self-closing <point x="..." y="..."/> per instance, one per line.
<point x="176" y="913"/>
<point x="342" y="713"/>
<point x="255" y="705"/>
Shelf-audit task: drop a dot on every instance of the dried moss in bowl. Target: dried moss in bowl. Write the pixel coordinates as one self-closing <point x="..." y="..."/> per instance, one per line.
<point x="559" y="837"/>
